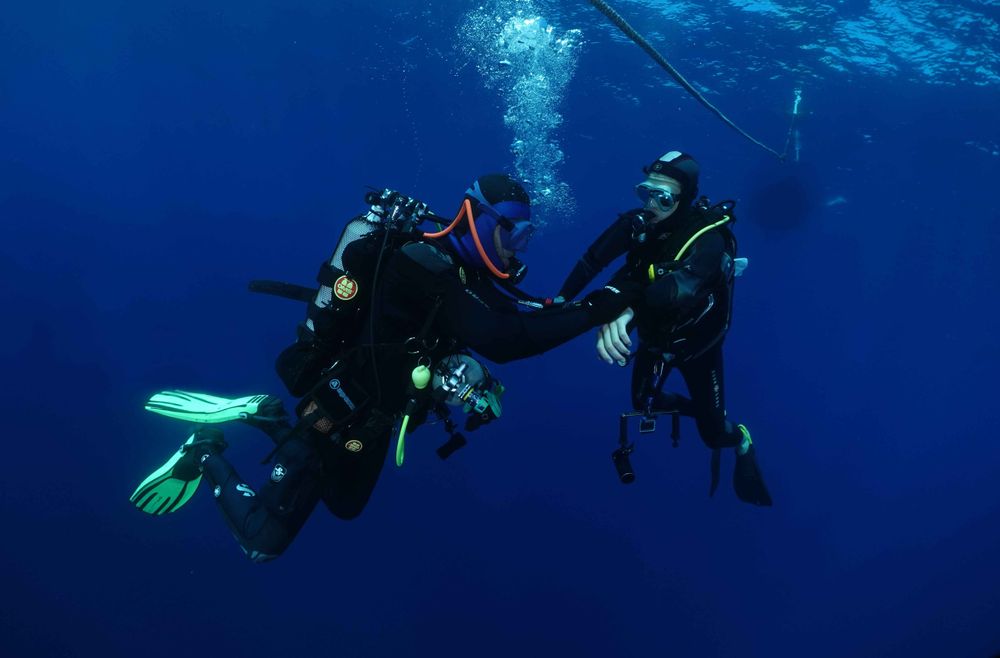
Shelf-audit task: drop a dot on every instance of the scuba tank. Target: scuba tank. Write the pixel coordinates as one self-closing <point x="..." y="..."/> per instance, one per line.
<point x="346" y="280"/>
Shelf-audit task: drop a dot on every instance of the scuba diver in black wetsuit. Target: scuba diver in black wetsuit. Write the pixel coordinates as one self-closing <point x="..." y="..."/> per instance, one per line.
<point x="684" y="253"/>
<point x="386" y="340"/>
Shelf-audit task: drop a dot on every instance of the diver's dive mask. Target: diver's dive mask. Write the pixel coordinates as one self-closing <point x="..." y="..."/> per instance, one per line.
<point x="514" y="234"/>
<point x="653" y="196"/>
<point x="503" y="226"/>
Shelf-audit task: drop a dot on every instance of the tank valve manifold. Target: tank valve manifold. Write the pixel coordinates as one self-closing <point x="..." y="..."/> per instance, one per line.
<point x="396" y="208"/>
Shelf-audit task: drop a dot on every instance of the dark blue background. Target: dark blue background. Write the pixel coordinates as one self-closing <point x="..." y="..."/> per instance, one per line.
<point x="155" y="158"/>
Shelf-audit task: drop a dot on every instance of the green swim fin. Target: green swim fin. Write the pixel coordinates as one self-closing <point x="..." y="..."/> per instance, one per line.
<point x="204" y="408"/>
<point x="169" y="487"/>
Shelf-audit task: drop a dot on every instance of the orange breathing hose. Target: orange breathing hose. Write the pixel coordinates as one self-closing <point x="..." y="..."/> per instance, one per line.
<point x="458" y="217"/>
<point x="479" y="245"/>
<point x="466" y="211"/>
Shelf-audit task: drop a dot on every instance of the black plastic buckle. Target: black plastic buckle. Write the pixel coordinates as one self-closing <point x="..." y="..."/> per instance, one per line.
<point x="647" y="424"/>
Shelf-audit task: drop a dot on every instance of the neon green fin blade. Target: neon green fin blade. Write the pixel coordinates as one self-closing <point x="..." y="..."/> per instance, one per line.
<point x="203" y="408"/>
<point x="170" y="486"/>
<point x="746" y="442"/>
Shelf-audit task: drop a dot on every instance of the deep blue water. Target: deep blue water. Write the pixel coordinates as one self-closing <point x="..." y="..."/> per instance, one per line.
<point x="153" y="159"/>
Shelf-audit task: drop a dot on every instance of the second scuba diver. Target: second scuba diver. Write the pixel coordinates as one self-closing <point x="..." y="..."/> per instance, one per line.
<point x="681" y="249"/>
<point x="386" y="341"/>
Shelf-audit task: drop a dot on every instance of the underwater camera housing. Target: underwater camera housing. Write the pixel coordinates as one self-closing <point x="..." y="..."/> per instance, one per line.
<point x="462" y="381"/>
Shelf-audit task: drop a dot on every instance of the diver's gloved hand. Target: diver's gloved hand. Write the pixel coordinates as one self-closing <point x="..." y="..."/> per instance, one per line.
<point x="605" y="304"/>
<point x="613" y="342"/>
<point x="748" y="480"/>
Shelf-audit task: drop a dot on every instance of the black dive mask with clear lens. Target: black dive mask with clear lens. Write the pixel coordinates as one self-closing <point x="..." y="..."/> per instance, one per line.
<point x="663" y="199"/>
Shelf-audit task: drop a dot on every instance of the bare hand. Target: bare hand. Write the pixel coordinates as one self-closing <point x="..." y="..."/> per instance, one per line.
<point x="613" y="342"/>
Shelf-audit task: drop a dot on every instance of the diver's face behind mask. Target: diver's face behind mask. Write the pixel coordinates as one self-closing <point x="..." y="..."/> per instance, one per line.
<point x="505" y="245"/>
<point x="498" y="224"/>
<point x="514" y="234"/>
<point x="659" y="196"/>
<point x="510" y="236"/>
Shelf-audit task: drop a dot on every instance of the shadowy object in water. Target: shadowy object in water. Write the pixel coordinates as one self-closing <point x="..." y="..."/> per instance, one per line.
<point x="785" y="201"/>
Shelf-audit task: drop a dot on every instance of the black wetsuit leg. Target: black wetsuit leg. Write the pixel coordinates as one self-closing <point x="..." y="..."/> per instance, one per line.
<point x="266" y="521"/>
<point x="350" y="477"/>
<point x="644" y="381"/>
<point x="307" y="468"/>
<point x="703" y="376"/>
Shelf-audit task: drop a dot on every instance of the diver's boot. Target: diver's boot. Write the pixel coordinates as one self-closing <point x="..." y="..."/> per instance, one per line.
<point x="270" y="418"/>
<point x="747" y="478"/>
<point x="208" y="441"/>
<point x="169" y="487"/>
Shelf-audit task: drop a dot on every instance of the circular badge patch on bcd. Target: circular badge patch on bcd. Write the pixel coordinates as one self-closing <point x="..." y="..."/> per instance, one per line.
<point x="354" y="445"/>
<point x="345" y="288"/>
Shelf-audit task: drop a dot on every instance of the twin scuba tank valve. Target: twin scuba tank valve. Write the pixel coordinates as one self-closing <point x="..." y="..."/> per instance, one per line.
<point x="399" y="211"/>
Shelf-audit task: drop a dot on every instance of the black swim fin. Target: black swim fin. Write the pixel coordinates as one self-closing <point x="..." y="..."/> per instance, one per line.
<point x="747" y="478"/>
<point x="716" y="467"/>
